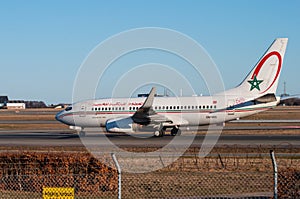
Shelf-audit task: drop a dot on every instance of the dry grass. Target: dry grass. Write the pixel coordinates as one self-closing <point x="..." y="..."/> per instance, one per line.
<point x="278" y="113"/>
<point x="33" y="126"/>
<point x="188" y="176"/>
<point x="27" y="117"/>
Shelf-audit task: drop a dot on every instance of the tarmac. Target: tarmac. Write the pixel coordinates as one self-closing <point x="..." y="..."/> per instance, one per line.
<point x="66" y="138"/>
<point x="242" y="128"/>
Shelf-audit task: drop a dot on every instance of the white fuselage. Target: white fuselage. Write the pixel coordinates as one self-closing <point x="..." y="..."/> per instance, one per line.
<point x="256" y="93"/>
<point x="189" y="111"/>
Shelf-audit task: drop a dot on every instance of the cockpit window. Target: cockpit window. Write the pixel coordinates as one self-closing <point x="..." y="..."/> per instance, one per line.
<point x="68" y="108"/>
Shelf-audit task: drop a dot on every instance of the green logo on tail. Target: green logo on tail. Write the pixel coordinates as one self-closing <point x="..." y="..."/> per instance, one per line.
<point x="255" y="83"/>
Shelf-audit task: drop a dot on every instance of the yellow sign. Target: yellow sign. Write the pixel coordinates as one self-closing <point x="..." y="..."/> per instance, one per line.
<point x="57" y="192"/>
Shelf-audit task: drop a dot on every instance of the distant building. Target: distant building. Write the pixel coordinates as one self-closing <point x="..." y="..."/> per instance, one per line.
<point x="15" y="105"/>
<point x="20" y="104"/>
<point x="3" y="101"/>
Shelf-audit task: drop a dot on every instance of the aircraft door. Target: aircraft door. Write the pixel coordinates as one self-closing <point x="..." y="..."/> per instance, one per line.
<point x="82" y="111"/>
<point x="230" y="104"/>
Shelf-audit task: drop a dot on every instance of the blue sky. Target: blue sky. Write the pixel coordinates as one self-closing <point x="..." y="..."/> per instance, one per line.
<point x="43" y="43"/>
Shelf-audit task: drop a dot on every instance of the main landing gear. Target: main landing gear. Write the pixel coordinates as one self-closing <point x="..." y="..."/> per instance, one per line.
<point x="175" y="131"/>
<point x="160" y="133"/>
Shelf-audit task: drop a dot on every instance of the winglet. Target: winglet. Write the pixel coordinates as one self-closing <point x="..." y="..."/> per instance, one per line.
<point x="149" y="101"/>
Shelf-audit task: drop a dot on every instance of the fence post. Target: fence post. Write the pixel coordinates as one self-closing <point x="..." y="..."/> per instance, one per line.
<point x="275" y="173"/>
<point x="119" y="174"/>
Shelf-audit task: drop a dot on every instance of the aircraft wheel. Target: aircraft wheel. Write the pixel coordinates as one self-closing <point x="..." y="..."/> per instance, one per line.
<point x="159" y="133"/>
<point x="156" y="133"/>
<point x="174" y="131"/>
<point x="178" y="132"/>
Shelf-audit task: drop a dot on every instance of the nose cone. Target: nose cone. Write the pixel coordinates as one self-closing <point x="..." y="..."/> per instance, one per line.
<point x="65" y="117"/>
<point x="58" y="116"/>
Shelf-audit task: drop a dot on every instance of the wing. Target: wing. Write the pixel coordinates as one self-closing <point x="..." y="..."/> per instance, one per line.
<point x="145" y="115"/>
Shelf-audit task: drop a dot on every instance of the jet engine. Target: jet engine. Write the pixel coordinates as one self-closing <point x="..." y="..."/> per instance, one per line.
<point x="125" y="125"/>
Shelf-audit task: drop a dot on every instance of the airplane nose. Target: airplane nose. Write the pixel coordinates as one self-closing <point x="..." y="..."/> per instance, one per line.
<point x="64" y="118"/>
<point x="57" y="116"/>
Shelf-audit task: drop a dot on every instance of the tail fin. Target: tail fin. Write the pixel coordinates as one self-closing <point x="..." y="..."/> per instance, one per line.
<point x="263" y="79"/>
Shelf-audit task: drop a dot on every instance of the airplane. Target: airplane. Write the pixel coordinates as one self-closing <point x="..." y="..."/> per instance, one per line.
<point x="254" y="94"/>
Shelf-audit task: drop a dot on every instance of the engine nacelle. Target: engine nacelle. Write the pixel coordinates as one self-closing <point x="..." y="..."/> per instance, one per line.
<point x="124" y="125"/>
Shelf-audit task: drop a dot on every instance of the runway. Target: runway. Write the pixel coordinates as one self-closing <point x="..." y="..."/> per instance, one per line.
<point x="64" y="138"/>
<point x="277" y="127"/>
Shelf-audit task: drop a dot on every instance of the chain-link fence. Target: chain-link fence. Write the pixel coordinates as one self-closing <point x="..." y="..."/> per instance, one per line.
<point x="197" y="184"/>
<point x="46" y="175"/>
<point x="150" y="185"/>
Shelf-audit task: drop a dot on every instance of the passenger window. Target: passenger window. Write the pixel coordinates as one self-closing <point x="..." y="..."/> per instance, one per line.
<point x="215" y="106"/>
<point x="192" y="107"/>
<point x="211" y="106"/>
<point x="170" y="107"/>
<point x="189" y="107"/>
<point x="130" y="108"/>
<point x="167" y="107"/>
<point x="159" y="107"/>
<point x="184" y="107"/>
<point x="207" y="107"/>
